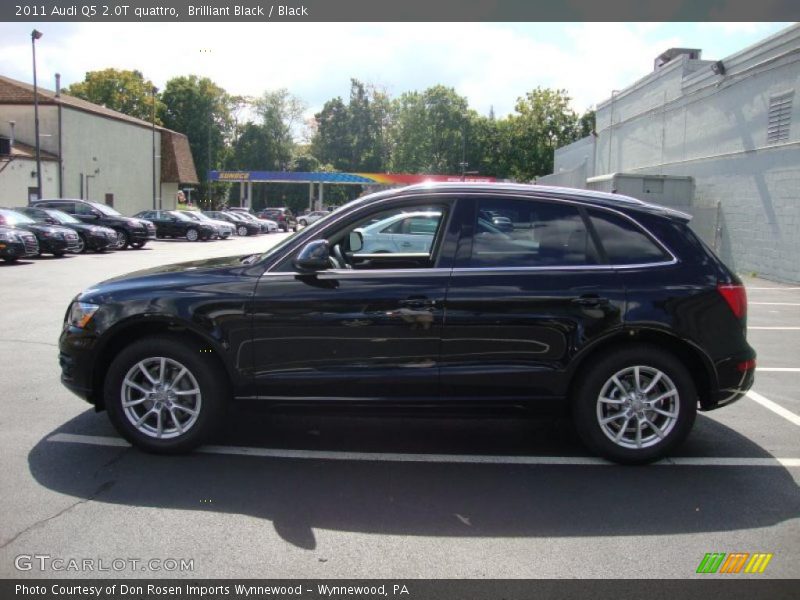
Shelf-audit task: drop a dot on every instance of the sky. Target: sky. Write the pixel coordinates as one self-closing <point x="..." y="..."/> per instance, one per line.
<point x="492" y="64"/>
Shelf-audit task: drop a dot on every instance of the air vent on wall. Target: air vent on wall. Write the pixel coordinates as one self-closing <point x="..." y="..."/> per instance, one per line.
<point x="779" y="117"/>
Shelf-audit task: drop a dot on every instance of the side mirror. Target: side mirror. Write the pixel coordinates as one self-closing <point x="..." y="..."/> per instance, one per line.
<point x="50" y="220"/>
<point x="96" y="214"/>
<point x="356" y="241"/>
<point x="315" y="256"/>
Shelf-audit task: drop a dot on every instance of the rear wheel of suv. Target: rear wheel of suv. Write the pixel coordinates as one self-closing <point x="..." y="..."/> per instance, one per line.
<point x="164" y="396"/>
<point x="635" y="405"/>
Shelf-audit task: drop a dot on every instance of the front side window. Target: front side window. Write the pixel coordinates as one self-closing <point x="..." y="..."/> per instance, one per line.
<point x="530" y="233"/>
<point x="623" y="241"/>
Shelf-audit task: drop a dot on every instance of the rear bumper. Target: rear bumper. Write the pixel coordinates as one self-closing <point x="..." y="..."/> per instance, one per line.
<point x="733" y="381"/>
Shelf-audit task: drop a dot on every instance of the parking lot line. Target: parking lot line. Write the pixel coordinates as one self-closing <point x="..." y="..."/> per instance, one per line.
<point x="774" y="303"/>
<point x="774" y="407"/>
<point x="693" y="461"/>
<point x="778" y="369"/>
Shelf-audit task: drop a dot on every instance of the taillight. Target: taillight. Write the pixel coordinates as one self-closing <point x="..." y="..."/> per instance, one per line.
<point x="736" y="297"/>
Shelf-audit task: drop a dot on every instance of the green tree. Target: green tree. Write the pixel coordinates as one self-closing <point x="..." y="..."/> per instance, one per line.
<point x="127" y="92"/>
<point x="202" y="110"/>
<point x="542" y="122"/>
<point x="429" y="131"/>
<point x="353" y="137"/>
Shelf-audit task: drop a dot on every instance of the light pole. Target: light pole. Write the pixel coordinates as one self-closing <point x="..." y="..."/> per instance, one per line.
<point x="154" y="89"/>
<point x="35" y="35"/>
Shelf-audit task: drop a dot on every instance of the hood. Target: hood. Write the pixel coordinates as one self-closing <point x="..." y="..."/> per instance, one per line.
<point x="44" y="228"/>
<point x="165" y="276"/>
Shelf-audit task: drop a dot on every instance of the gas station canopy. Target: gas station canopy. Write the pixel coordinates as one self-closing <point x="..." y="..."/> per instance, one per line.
<point x="337" y="178"/>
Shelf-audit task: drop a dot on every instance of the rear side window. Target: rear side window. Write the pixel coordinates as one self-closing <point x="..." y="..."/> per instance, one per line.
<point x="530" y="233"/>
<point x="624" y="242"/>
<point x="67" y="207"/>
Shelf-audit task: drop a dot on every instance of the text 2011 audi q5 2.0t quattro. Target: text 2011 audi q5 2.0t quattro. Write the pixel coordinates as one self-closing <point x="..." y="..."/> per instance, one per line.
<point x="601" y="305"/>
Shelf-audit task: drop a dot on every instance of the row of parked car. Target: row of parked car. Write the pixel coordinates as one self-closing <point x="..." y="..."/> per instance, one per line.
<point x="59" y="226"/>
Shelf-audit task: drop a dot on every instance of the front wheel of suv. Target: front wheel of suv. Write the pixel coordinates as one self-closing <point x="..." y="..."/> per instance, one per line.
<point x="164" y="396"/>
<point x="635" y="405"/>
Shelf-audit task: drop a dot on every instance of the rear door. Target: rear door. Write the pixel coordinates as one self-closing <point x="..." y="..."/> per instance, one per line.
<point x="524" y="300"/>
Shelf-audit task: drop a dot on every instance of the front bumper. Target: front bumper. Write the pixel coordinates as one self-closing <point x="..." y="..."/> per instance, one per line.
<point x="101" y="241"/>
<point x="141" y="235"/>
<point x="76" y="359"/>
<point x="12" y="250"/>
<point x="51" y="245"/>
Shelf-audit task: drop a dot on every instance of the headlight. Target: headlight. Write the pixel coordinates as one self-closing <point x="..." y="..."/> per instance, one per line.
<point x="80" y="313"/>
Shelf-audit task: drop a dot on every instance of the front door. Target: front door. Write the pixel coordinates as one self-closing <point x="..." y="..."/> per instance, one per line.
<point x="367" y="328"/>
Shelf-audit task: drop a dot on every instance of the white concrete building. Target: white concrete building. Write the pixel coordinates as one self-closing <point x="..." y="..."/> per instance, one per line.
<point x="87" y="151"/>
<point x="733" y="125"/>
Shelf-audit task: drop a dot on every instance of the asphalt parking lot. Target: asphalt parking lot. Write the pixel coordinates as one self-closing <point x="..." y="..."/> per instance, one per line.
<point x="338" y="496"/>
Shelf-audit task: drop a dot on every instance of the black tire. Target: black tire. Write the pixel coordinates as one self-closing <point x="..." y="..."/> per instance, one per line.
<point x="123" y="239"/>
<point x="192" y="235"/>
<point x="624" y="365"/>
<point x="59" y="254"/>
<point x="11" y="259"/>
<point x="209" y="376"/>
<point x="84" y="246"/>
<point x="242" y="231"/>
<point x="138" y="245"/>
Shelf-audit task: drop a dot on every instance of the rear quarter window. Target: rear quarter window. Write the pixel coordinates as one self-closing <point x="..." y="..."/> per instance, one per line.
<point x="625" y="242"/>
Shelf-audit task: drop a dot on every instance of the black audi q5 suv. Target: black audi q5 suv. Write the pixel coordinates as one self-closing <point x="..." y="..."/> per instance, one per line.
<point x="601" y="306"/>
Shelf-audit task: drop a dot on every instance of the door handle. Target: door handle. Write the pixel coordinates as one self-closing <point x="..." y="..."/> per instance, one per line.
<point x="417" y="303"/>
<point x="590" y="301"/>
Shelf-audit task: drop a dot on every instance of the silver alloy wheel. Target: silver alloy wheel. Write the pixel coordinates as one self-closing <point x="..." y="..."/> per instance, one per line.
<point x="160" y="397"/>
<point x="81" y="245"/>
<point x="192" y="235"/>
<point x="638" y="407"/>
<point x="121" y="240"/>
<point x="242" y="230"/>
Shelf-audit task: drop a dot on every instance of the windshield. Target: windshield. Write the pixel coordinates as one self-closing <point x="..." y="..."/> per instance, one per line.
<point x="106" y="210"/>
<point x="62" y="217"/>
<point x="9" y="217"/>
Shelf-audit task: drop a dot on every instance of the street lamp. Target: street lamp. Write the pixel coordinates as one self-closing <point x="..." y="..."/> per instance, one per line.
<point x="154" y="90"/>
<point x="36" y="35"/>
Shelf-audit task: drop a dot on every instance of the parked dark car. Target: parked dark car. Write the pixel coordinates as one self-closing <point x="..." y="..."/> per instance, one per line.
<point x="52" y="239"/>
<point x="267" y="225"/>
<point x="130" y="232"/>
<point x="90" y="237"/>
<point x="282" y="216"/>
<point x="17" y="243"/>
<point x="175" y="224"/>
<point x="243" y="226"/>
<point x="601" y="306"/>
